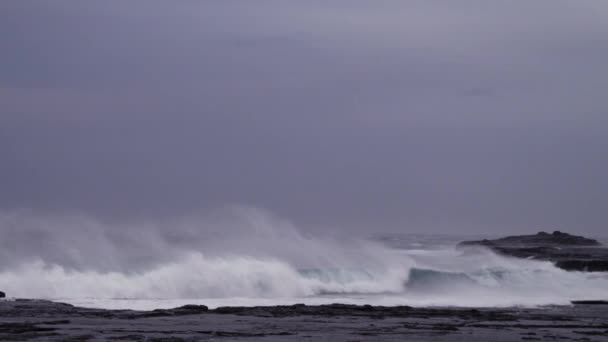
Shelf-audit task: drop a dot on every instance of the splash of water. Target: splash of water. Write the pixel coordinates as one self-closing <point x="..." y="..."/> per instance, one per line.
<point x="254" y="258"/>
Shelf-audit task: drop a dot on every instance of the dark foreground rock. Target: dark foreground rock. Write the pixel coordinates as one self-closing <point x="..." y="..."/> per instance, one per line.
<point x="569" y="252"/>
<point x="591" y="302"/>
<point x="32" y="320"/>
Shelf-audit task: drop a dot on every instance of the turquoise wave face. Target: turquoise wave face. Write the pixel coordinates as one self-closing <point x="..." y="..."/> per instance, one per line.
<point x="427" y="279"/>
<point x="342" y="276"/>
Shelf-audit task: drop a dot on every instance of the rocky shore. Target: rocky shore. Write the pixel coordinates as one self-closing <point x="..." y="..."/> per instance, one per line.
<point x="568" y="252"/>
<point x="35" y="320"/>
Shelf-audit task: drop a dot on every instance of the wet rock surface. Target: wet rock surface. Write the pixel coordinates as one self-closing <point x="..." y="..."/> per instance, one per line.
<point x="557" y="238"/>
<point x="33" y="320"/>
<point x="568" y="252"/>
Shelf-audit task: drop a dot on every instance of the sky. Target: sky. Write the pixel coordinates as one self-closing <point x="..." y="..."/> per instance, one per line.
<point x="473" y="116"/>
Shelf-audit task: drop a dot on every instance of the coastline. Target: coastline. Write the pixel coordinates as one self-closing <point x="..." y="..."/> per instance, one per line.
<point x="41" y="320"/>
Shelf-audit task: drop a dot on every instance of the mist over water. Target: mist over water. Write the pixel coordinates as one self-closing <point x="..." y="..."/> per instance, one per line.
<point x="246" y="256"/>
<point x="367" y="117"/>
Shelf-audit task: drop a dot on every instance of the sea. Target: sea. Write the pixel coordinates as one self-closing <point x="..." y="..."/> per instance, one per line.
<point x="269" y="268"/>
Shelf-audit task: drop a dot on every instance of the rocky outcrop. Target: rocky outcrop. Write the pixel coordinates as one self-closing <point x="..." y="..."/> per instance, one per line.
<point x="185" y="310"/>
<point x="2" y="294"/>
<point x="568" y="252"/>
<point x="541" y="239"/>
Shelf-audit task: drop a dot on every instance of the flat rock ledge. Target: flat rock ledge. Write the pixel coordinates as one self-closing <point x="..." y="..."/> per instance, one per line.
<point x="36" y="320"/>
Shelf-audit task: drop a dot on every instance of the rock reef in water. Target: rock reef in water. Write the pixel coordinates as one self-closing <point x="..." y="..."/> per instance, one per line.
<point x="541" y="239"/>
<point x="568" y="252"/>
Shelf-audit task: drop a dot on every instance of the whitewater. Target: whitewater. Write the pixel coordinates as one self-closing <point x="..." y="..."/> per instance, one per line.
<point x="249" y="257"/>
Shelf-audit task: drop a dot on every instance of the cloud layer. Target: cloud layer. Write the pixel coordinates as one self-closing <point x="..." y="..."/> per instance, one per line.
<point x="373" y="115"/>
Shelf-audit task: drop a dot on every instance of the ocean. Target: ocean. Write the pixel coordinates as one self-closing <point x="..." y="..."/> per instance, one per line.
<point x="288" y="268"/>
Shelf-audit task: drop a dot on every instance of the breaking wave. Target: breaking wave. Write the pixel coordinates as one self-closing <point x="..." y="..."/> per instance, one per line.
<point x="254" y="258"/>
<point x="196" y="276"/>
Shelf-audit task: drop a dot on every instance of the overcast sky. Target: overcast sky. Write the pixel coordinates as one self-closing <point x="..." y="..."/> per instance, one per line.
<point x="434" y="116"/>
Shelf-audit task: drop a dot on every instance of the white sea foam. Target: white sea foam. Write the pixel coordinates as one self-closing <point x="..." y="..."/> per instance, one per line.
<point x="258" y="260"/>
<point x="196" y="276"/>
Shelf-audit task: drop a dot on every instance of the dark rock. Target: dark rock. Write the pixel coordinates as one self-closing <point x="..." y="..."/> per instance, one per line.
<point x="35" y="320"/>
<point x="2" y="294"/>
<point x="166" y="339"/>
<point x="583" y="265"/>
<point x="375" y="312"/>
<point x="541" y="239"/>
<point x="185" y="310"/>
<point x="19" y="328"/>
<point x="132" y="337"/>
<point x="590" y="302"/>
<point x="190" y="309"/>
<point x="591" y="332"/>
<point x="568" y="252"/>
<point x="229" y="309"/>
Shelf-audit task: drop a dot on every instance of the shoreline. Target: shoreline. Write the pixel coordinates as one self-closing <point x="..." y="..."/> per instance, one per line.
<point x="41" y="320"/>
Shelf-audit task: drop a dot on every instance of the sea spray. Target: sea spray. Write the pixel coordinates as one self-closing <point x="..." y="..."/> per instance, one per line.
<point x="250" y="257"/>
<point x="195" y="276"/>
<point x="243" y="252"/>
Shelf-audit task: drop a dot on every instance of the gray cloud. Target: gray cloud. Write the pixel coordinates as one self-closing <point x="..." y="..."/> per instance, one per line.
<point x="384" y="115"/>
